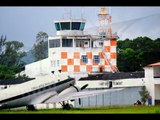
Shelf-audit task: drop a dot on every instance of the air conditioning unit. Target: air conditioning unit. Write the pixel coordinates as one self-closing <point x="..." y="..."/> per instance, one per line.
<point x="86" y="44"/>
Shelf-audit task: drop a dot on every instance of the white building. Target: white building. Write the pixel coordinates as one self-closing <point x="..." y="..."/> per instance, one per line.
<point x="152" y="81"/>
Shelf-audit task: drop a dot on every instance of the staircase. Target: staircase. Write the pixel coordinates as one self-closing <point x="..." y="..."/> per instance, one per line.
<point x="113" y="68"/>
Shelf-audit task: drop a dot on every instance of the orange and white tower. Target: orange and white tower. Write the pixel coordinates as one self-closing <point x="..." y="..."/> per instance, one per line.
<point x="109" y="40"/>
<point x="72" y="51"/>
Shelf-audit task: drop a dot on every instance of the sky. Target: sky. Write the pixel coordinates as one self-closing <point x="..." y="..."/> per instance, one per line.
<point x="23" y="23"/>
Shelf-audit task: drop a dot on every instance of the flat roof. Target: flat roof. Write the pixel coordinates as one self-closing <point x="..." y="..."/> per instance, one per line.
<point x="153" y="64"/>
<point x="70" y="20"/>
<point x="114" y="76"/>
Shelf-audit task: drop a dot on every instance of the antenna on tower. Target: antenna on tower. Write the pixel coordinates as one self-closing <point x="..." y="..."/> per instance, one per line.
<point x="67" y="13"/>
<point x="105" y="24"/>
<point x="102" y="20"/>
<point x="82" y="13"/>
<point x="70" y="13"/>
<point x="110" y="10"/>
<point x="109" y="18"/>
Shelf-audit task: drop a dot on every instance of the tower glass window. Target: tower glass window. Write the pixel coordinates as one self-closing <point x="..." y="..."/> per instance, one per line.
<point x="84" y="59"/>
<point x="96" y="59"/>
<point x="79" y="43"/>
<point x="67" y="43"/>
<point x="54" y="43"/>
<point x="76" y="25"/>
<point x="65" y="25"/>
<point x="82" y="26"/>
<point x="57" y="26"/>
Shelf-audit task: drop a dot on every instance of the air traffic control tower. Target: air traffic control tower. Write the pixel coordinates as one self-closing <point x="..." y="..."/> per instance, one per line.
<point x="70" y="50"/>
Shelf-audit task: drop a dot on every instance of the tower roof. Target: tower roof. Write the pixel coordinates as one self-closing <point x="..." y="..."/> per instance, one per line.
<point x="70" y="20"/>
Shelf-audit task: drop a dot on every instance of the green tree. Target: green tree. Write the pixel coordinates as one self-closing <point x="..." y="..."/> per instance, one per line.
<point x="10" y="58"/>
<point x="130" y="60"/>
<point x="2" y="42"/>
<point x="133" y="55"/>
<point x="7" y="72"/>
<point x="142" y="44"/>
<point x="144" y="94"/>
<point x="12" y="53"/>
<point x="40" y="49"/>
<point x="123" y="44"/>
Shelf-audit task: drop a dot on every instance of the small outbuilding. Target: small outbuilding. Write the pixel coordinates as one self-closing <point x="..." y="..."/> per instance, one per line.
<point x="152" y="81"/>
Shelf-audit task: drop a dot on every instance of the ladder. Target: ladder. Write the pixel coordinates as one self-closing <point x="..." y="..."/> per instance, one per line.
<point x="113" y="69"/>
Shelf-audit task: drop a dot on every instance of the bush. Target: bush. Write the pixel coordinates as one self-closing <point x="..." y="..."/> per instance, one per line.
<point x="9" y="72"/>
<point x="144" y="94"/>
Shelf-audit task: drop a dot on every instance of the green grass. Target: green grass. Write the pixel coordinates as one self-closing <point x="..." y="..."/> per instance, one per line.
<point x="93" y="110"/>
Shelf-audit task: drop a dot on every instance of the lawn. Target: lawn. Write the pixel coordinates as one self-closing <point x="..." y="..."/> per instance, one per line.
<point x="93" y="110"/>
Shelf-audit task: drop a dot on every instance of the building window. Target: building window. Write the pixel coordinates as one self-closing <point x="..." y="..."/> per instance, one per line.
<point x="58" y="63"/>
<point x="54" y="43"/>
<point x="79" y="43"/>
<point x="65" y="25"/>
<point x="67" y="43"/>
<point x="76" y="25"/>
<point x="82" y="43"/>
<point x="57" y="26"/>
<point x="82" y="26"/>
<point x="54" y="64"/>
<point x="84" y="59"/>
<point x="96" y="59"/>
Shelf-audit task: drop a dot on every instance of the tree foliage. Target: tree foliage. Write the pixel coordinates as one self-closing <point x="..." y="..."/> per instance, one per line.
<point x="144" y="94"/>
<point x="133" y="55"/>
<point x="40" y="49"/>
<point x="2" y="42"/>
<point x="10" y="58"/>
<point x="7" y="72"/>
<point x="12" y="54"/>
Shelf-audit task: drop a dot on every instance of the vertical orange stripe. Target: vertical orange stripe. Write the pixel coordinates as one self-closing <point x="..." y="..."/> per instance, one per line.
<point x="70" y="61"/>
<point x="113" y="42"/>
<point x="100" y="55"/>
<point x="107" y="48"/>
<point x="89" y="68"/>
<point x="63" y="55"/>
<point x="113" y="55"/>
<point x="76" y="68"/>
<point x="77" y="55"/>
<point x="64" y="68"/>
<point x="89" y="55"/>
